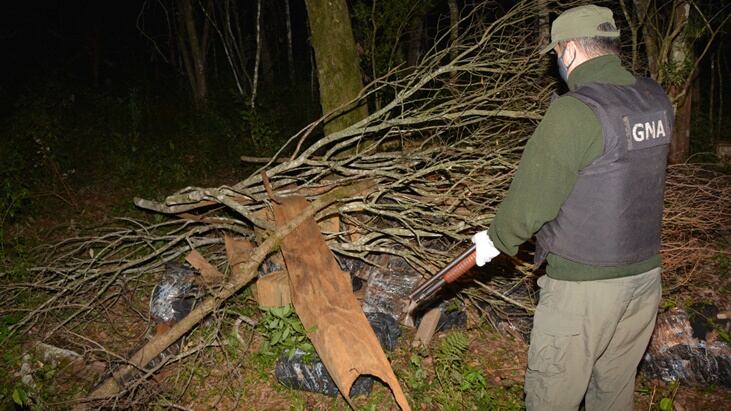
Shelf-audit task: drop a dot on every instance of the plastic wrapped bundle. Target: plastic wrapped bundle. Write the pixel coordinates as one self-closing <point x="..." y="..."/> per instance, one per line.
<point x="298" y="373"/>
<point x="174" y="296"/>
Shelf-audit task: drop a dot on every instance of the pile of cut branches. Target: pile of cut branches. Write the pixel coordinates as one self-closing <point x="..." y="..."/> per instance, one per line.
<point x="696" y="229"/>
<point x="441" y="154"/>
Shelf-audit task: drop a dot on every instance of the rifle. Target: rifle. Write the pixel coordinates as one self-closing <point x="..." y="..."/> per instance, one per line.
<point x="446" y="275"/>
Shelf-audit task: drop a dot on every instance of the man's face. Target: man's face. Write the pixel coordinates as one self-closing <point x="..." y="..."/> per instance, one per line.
<point x="563" y="66"/>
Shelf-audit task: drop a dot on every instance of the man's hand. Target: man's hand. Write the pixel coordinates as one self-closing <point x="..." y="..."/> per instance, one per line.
<point x="485" y="250"/>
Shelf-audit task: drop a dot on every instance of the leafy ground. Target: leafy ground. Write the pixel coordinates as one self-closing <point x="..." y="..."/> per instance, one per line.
<point x="75" y="161"/>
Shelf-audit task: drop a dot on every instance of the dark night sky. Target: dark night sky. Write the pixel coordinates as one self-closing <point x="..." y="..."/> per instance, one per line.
<point x="59" y="37"/>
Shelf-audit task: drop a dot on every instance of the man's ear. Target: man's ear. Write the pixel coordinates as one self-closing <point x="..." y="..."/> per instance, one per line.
<point x="569" y="48"/>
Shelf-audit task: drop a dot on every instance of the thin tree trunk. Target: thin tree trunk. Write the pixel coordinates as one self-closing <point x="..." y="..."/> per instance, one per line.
<point x="268" y="46"/>
<point x="413" y="53"/>
<point x="680" y="146"/>
<point x="711" y="99"/>
<point x="338" y="69"/>
<point x="719" y="127"/>
<point x="681" y="51"/>
<point x="184" y="54"/>
<point x="642" y="9"/>
<point x="258" y="54"/>
<point x="290" y="56"/>
<point x="544" y="29"/>
<point x="198" y="48"/>
<point x="453" y="28"/>
<point x="634" y="27"/>
<point x="228" y="43"/>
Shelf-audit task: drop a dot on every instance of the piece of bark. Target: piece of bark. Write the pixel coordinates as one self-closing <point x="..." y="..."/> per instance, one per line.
<point x="330" y="225"/>
<point x="272" y="290"/>
<point x="210" y="274"/>
<point x="322" y="296"/>
<point x="111" y="386"/>
<point x="427" y="327"/>
<point x="238" y="251"/>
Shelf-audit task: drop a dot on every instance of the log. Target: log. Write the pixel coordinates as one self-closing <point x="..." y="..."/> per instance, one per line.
<point x="427" y="327"/>
<point x="110" y="387"/>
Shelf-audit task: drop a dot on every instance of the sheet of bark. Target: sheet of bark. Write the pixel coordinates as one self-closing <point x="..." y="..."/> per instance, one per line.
<point x="323" y="298"/>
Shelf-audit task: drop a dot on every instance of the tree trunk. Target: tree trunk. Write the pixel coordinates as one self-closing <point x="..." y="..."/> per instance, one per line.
<point x="453" y="28"/>
<point x="680" y="146"/>
<point x="197" y="50"/>
<point x="413" y="52"/>
<point x="544" y="29"/>
<point x="649" y="36"/>
<point x="257" y="61"/>
<point x="681" y="53"/>
<point x="336" y="58"/>
<point x="670" y="57"/>
<point x="290" y="56"/>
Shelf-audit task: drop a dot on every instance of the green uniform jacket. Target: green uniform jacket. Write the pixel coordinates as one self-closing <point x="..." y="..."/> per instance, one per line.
<point x="567" y="139"/>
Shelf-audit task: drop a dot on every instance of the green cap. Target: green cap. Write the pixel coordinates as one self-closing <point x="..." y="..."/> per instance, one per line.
<point x="580" y="22"/>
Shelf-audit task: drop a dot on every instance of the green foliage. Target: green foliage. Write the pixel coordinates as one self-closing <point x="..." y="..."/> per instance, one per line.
<point x="668" y="303"/>
<point x="667" y="400"/>
<point x="14" y="200"/>
<point x="260" y="130"/>
<point x="450" y="380"/>
<point x="452" y="349"/>
<point x="284" y="332"/>
<point x="723" y="262"/>
<point x="20" y="397"/>
<point x="677" y="73"/>
<point x="457" y="378"/>
<point x="661" y="398"/>
<point x="7" y="321"/>
<point x="417" y="379"/>
<point x="14" y="394"/>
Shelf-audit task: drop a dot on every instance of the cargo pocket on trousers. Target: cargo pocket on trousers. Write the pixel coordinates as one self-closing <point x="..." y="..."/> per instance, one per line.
<point x="553" y="332"/>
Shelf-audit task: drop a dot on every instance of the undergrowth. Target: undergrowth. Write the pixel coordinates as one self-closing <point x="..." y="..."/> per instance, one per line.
<point x="284" y="333"/>
<point x="450" y="379"/>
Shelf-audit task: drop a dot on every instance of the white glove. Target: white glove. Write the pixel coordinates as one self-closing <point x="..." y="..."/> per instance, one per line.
<point x="485" y="249"/>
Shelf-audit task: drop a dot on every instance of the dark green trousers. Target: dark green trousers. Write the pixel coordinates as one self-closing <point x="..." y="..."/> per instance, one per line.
<point x="588" y="338"/>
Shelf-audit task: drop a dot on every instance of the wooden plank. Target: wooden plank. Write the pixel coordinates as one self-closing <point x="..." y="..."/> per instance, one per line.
<point x="323" y="298"/>
<point x="272" y="290"/>
<point x="427" y="327"/>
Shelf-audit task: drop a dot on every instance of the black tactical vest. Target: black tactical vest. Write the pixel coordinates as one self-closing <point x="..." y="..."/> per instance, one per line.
<point x="613" y="215"/>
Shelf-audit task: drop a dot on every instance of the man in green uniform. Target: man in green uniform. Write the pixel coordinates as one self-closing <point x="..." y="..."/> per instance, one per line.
<point x="590" y="187"/>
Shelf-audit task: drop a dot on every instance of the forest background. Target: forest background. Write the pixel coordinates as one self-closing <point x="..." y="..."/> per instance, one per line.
<point x="104" y="101"/>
